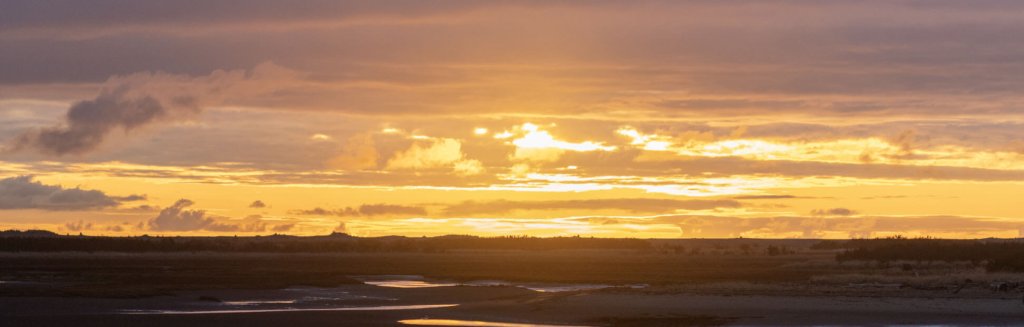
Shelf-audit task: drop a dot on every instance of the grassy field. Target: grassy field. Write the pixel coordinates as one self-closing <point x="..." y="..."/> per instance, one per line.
<point x="154" y="273"/>
<point x="654" y="262"/>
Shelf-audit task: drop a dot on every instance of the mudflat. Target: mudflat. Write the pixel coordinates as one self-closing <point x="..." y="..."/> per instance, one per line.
<point x="381" y="306"/>
<point x="494" y="288"/>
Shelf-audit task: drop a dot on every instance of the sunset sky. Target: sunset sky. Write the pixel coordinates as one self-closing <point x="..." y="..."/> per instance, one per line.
<point x="661" y="119"/>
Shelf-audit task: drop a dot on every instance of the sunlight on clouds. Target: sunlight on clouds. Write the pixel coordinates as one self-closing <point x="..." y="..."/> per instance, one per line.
<point x="535" y="144"/>
<point x="649" y="142"/>
<point x="468" y="167"/>
<point x="535" y="138"/>
<point x="504" y="135"/>
<point x="869" y="150"/>
<point x="320" y="137"/>
<point x="439" y="153"/>
<point x="455" y="103"/>
<point x="742" y="148"/>
<point x="512" y="226"/>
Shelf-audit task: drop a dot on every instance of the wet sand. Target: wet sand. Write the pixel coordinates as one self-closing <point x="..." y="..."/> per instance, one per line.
<point x="513" y="305"/>
<point x="609" y="288"/>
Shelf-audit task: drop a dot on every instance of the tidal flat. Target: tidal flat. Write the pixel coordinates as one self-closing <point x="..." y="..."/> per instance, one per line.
<point x="497" y="288"/>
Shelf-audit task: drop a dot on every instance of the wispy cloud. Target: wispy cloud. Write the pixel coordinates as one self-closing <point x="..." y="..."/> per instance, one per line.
<point x="369" y="210"/>
<point x="645" y="205"/>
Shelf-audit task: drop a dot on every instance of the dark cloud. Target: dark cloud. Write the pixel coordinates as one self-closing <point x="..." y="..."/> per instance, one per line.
<point x="22" y="192"/>
<point x="177" y="218"/>
<point x="87" y="123"/>
<point x="606" y="56"/>
<point x="82" y="226"/>
<point x="133" y="197"/>
<point x="106" y="17"/>
<point x="77" y="226"/>
<point x="257" y="204"/>
<point x="318" y="211"/>
<point x="130" y="102"/>
<point x="390" y="209"/>
<point x="242" y="227"/>
<point x="470" y="208"/>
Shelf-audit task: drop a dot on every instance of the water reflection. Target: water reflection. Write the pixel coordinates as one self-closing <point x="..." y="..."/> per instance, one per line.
<point x="544" y="288"/>
<point x="407" y="283"/>
<point x="453" y="322"/>
<point x="241" y="311"/>
<point x="244" y="303"/>
<point x="415" y="281"/>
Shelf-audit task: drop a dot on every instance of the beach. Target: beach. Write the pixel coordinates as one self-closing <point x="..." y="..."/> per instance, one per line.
<point x="185" y="289"/>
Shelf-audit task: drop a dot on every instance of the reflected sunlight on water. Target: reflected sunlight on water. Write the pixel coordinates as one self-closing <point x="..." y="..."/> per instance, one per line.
<point x="453" y="322"/>
<point x="407" y="283"/>
<point x="416" y="281"/>
<point x="259" y="302"/>
<point x="239" y="311"/>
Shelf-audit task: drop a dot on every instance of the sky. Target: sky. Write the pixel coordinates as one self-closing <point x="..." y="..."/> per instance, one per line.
<point x="647" y="119"/>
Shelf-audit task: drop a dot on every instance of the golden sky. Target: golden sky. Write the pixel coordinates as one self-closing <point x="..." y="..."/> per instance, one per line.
<point x="787" y="119"/>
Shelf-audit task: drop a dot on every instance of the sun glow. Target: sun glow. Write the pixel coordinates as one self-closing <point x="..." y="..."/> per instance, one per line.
<point x="871" y="150"/>
<point x="469" y="103"/>
<point x="535" y="138"/>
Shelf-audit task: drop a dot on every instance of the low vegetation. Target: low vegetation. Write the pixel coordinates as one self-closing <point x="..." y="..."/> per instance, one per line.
<point x="992" y="254"/>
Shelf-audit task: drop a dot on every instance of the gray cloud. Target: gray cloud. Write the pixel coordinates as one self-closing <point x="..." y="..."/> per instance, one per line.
<point x="133" y="197"/>
<point x="87" y="123"/>
<point x="816" y="227"/>
<point x="833" y="212"/>
<point x="242" y="227"/>
<point x="379" y="209"/>
<point x="177" y="218"/>
<point x="470" y="208"/>
<point x="282" y="227"/>
<point x="111" y="17"/>
<point x="257" y="204"/>
<point x="721" y="55"/>
<point x="22" y="192"/>
<point x="130" y="102"/>
<point x="87" y="226"/>
<point x="318" y="211"/>
<point x="390" y="209"/>
<point x="78" y="226"/>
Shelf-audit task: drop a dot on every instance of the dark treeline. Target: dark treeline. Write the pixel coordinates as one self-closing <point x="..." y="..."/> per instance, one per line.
<point x="994" y="254"/>
<point x="42" y="241"/>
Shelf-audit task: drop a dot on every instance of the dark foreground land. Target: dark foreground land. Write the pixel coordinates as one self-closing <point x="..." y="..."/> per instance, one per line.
<point x="273" y="281"/>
